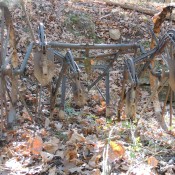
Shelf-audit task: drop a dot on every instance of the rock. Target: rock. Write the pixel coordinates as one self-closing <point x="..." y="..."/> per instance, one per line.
<point x="114" y="34"/>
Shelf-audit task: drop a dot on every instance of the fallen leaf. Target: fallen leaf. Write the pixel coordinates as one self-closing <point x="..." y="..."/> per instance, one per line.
<point x="99" y="110"/>
<point x="71" y="152"/>
<point x="75" y="137"/>
<point x="50" y="147"/>
<point x="76" y="169"/>
<point x="101" y="121"/>
<point x="58" y="126"/>
<point x="43" y="132"/>
<point x="116" y="151"/>
<point x="153" y="161"/>
<point x="94" y="161"/>
<point x="60" y="154"/>
<point x="26" y="116"/>
<point x="46" y="157"/>
<point x="52" y="171"/>
<point x="61" y="115"/>
<point x="103" y="103"/>
<point x="96" y="97"/>
<point x="47" y="122"/>
<point x="36" y="145"/>
<point x="96" y="172"/>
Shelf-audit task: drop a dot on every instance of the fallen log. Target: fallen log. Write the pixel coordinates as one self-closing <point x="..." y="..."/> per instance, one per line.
<point x="136" y="8"/>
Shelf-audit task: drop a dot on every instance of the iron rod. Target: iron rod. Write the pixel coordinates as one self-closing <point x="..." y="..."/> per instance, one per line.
<point x="24" y="63"/>
<point x="93" y="46"/>
<point x="100" y="92"/>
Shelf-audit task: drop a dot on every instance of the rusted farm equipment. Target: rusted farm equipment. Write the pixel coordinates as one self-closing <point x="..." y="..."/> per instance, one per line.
<point x="55" y="65"/>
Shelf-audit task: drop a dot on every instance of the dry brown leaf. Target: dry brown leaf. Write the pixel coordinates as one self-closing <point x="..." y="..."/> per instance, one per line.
<point x="101" y="121"/>
<point x="43" y="132"/>
<point x="99" y="146"/>
<point x="60" y="154"/>
<point x="50" y="147"/>
<point x="61" y="115"/>
<point x="94" y="161"/>
<point x="53" y="170"/>
<point x="22" y="149"/>
<point x="71" y="152"/>
<point x="36" y="145"/>
<point x="26" y="116"/>
<point x="96" y="97"/>
<point x="76" y="169"/>
<point x="103" y="103"/>
<point x="96" y="172"/>
<point x="75" y="137"/>
<point x="25" y="135"/>
<point x="46" y="157"/>
<point x="99" y="110"/>
<point x="47" y="123"/>
<point x="153" y="161"/>
<point x="117" y="150"/>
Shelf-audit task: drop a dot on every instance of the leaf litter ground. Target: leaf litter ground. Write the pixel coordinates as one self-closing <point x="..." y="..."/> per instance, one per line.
<point x="84" y="141"/>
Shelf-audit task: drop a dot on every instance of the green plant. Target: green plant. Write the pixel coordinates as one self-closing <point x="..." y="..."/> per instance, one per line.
<point x="146" y="44"/>
<point x="81" y="24"/>
<point x="135" y="147"/>
<point x="126" y="124"/>
<point x="71" y="111"/>
<point x="61" y="136"/>
<point x="92" y="116"/>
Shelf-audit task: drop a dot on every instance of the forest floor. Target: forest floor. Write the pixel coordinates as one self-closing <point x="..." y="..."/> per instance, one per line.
<point x="85" y="141"/>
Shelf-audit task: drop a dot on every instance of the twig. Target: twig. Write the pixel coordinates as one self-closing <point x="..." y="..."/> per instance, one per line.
<point x="106" y="16"/>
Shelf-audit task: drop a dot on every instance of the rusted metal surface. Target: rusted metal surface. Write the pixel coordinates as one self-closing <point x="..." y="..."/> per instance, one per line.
<point x="44" y="67"/>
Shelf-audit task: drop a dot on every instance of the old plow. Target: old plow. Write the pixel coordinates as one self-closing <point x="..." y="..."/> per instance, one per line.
<point x="58" y="70"/>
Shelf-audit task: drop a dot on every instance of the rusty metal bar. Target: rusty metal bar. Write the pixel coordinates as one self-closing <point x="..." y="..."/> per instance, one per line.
<point x="92" y="46"/>
<point x="24" y="63"/>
